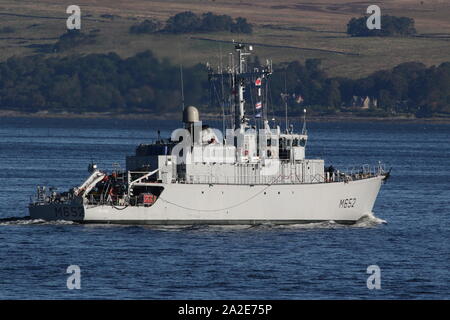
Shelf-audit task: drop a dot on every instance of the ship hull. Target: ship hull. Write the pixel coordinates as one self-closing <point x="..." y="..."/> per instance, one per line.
<point x="187" y="204"/>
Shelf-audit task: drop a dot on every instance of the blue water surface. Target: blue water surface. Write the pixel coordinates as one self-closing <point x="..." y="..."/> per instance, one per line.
<point x="319" y="261"/>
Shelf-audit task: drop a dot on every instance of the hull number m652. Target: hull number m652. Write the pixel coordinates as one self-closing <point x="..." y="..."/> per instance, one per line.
<point x="347" y="203"/>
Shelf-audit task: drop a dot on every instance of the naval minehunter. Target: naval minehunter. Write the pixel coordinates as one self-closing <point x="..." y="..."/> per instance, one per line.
<point x="258" y="174"/>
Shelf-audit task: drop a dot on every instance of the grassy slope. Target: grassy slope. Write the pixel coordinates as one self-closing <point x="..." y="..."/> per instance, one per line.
<point x="312" y="29"/>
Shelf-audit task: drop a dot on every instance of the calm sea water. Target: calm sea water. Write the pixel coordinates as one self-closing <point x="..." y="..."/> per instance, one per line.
<point x="324" y="261"/>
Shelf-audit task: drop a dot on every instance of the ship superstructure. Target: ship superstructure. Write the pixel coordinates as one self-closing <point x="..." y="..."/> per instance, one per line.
<point x="251" y="173"/>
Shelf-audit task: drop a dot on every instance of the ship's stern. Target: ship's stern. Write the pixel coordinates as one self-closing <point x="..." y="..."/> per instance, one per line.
<point x="57" y="211"/>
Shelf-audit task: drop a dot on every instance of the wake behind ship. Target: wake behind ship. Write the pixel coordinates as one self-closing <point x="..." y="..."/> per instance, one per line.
<point x="252" y="174"/>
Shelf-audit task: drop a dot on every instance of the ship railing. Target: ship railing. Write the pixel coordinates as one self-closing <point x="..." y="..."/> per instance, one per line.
<point x="115" y="201"/>
<point x="351" y="174"/>
<point x="208" y="179"/>
<point x="98" y="200"/>
<point x="367" y="169"/>
<point x="46" y="195"/>
<point x="357" y="173"/>
<point x="250" y="179"/>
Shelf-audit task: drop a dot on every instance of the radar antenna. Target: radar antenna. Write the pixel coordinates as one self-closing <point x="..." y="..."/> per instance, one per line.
<point x="304" y="131"/>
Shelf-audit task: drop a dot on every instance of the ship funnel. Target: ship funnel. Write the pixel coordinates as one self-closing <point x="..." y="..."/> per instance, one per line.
<point x="190" y="115"/>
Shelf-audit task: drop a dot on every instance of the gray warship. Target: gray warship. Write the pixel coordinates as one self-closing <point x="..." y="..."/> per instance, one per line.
<point x="254" y="174"/>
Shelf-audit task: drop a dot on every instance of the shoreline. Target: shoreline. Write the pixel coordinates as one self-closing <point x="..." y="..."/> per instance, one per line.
<point x="206" y="116"/>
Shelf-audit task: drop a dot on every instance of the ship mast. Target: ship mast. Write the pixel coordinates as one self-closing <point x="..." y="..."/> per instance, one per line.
<point x="240" y="120"/>
<point x="239" y="76"/>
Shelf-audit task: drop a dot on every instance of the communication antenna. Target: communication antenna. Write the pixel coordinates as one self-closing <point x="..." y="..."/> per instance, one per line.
<point x="304" y="131"/>
<point x="222" y="100"/>
<point x="182" y="85"/>
<point x="285" y="98"/>
<point x="181" y="77"/>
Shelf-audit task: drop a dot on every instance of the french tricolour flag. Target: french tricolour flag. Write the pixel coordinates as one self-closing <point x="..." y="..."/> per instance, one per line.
<point x="258" y="105"/>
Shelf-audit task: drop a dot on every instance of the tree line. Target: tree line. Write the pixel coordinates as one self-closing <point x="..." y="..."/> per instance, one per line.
<point x="143" y="83"/>
<point x="97" y="83"/>
<point x="409" y="88"/>
<point x="391" y="26"/>
<point x="189" y="22"/>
